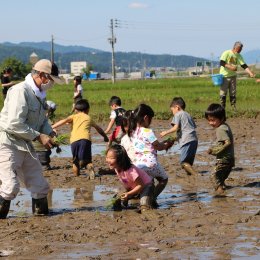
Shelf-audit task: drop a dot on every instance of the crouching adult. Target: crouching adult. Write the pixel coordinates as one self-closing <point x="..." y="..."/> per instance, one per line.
<point x="23" y="120"/>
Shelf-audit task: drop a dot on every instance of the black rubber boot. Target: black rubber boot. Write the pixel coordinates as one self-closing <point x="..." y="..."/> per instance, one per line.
<point x="4" y="207"/>
<point x="156" y="192"/>
<point x="233" y="103"/>
<point x="40" y="207"/>
<point x="223" y="101"/>
<point x="233" y="100"/>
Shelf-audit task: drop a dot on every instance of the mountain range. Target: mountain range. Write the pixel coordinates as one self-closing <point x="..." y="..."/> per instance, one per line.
<point x="101" y="60"/>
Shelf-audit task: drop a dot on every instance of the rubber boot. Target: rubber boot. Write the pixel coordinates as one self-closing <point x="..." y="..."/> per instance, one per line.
<point x="145" y="204"/>
<point x="144" y="208"/>
<point x="157" y="191"/>
<point x="4" y="207"/>
<point x="40" y="207"/>
<point x="188" y="168"/>
<point x="233" y="103"/>
<point x="223" y="101"/>
<point x="159" y="187"/>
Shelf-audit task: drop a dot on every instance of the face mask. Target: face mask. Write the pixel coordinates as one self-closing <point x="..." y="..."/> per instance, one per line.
<point x="48" y="85"/>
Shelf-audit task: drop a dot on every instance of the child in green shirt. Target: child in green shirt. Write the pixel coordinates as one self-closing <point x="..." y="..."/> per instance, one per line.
<point x="224" y="148"/>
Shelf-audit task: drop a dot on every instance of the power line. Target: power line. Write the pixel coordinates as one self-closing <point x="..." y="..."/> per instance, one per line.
<point x="138" y="25"/>
<point x="112" y="41"/>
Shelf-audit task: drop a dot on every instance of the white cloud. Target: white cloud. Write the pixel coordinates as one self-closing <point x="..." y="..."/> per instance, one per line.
<point x="136" y="5"/>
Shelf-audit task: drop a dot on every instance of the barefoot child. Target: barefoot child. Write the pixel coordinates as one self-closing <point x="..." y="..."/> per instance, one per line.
<point x="184" y="126"/>
<point x="80" y="138"/>
<point x="224" y="149"/>
<point x="135" y="180"/>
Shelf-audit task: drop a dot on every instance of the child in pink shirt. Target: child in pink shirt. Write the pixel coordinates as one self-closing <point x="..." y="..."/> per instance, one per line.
<point x="135" y="180"/>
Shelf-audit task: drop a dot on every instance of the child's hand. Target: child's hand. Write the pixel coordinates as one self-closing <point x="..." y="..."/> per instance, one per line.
<point x="163" y="133"/>
<point x="124" y="196"/>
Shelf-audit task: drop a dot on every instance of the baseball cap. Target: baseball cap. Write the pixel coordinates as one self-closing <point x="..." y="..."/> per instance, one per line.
<point x="50" y="68"/>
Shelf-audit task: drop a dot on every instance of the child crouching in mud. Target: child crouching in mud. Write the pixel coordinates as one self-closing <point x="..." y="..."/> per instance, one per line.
<point x="224" y="149"/>
<point x="135" y="180"/>
<point x="80" y="137"/>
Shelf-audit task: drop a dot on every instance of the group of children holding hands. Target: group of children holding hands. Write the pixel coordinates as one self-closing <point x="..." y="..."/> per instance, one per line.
<point x="132" y="146"/>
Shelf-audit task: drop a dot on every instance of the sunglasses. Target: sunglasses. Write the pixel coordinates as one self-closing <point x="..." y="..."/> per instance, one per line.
<point x="47" y="76"/>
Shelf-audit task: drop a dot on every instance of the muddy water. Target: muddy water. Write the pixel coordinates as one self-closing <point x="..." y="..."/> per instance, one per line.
<point x="192" y="222"/>
<point x="94" y="197"/>
<point x="97" y="197"/>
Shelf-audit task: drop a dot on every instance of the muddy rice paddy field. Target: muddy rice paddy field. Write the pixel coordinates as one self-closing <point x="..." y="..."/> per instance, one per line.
<point x="192" y="222"/>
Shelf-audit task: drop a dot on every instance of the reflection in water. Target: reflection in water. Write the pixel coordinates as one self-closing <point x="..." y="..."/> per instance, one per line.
<point x="91" y="197"/>
<point x="83" y="195"/>
<point x="95" y="197"/>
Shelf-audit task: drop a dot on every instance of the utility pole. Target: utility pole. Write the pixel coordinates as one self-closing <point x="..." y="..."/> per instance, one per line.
<point x="112" y="41"/>
<point x="212" y="57"/>
<point x="52" y="49"/>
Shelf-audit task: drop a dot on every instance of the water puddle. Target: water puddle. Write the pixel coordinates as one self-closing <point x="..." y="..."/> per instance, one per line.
<point x="97" y="198"/>
<point x="92" y="198"/>
<point x="244" y="250"/>
<point x="93" y="251"/>
<point x="100" y="148"/>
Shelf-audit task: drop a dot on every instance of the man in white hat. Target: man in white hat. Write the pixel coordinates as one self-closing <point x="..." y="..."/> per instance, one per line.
<point x="23" y="120"/>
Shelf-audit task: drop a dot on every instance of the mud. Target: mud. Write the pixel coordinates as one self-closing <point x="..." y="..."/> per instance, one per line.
<point x="192" y="222"/>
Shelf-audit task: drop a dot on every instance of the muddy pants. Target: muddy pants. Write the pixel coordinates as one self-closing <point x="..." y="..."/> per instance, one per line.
<point x="229" y="84"/>
<point x="220" y="174"/>
<point x="16" y="166"/>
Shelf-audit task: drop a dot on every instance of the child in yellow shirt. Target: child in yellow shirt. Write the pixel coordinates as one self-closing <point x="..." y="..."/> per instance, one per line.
<point x="80" y="138"/>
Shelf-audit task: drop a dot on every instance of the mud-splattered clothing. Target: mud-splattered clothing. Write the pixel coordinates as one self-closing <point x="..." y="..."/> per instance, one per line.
<point x="224" y="152"/>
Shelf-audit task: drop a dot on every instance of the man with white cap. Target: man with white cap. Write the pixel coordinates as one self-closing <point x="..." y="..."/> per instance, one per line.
<point x="23" y="120"/>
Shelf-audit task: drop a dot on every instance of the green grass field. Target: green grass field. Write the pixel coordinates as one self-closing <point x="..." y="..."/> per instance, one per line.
<point x="198" y="93"/>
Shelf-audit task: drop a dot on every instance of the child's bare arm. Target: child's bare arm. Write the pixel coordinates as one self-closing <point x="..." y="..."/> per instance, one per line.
<point x="101" y="132"/>
<point x="78" y="94"/>
<point x="136" y="190"/>
<point x="159" y="146"/>
<point x="10" y="84"/>
<point x="62" y="122"/>
<point x="171" y="130"/>
<point x="110" y="125"/>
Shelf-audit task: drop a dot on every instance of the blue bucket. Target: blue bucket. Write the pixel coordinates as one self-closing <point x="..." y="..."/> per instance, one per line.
<point x="217" y="79"/>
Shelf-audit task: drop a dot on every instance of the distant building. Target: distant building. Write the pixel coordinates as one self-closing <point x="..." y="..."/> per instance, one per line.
<point x="33" y="58"/>
<point x="76" y="67"/>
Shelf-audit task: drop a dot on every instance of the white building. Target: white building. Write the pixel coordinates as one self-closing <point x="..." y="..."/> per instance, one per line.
<point x="77" y="66"/>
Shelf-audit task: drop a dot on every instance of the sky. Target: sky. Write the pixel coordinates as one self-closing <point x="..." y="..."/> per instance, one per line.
<point x="201" y="28"/>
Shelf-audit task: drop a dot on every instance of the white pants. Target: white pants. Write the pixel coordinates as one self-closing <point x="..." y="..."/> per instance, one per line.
<point x="16" y="166"/>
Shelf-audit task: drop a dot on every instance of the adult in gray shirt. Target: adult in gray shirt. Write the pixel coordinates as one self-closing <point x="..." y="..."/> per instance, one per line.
<point x="23" y="120"/>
